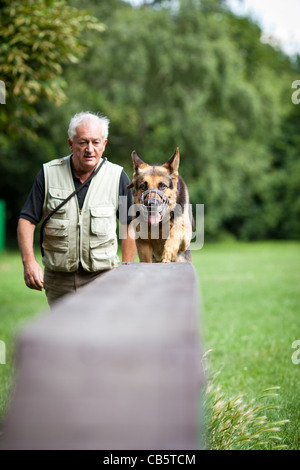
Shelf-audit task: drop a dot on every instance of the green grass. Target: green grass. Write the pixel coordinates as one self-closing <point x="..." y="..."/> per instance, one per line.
<point x="18" y="304"/>
<point x="250" y="318"/>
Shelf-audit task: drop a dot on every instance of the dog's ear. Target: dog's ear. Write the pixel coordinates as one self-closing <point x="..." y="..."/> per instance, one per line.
<point x="137" y="162"/>
<point x="130" y="186"/>
<point x="173" y="163"/>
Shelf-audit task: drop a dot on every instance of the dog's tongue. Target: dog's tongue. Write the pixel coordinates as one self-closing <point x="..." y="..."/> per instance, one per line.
<point x="154" y="218"/>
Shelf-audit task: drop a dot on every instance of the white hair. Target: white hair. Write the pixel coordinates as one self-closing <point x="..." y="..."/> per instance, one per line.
<point x="86" y="116"/>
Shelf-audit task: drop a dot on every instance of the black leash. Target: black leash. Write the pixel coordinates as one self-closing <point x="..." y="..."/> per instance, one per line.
<point x="104" y="159"/>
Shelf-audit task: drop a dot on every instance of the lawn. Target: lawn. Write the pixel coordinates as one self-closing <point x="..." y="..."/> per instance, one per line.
<point x="249" y="318"/>
<point x="17" y="305"/>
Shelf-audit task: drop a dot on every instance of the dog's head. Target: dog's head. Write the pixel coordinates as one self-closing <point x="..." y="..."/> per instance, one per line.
<point x="155" y="186"/>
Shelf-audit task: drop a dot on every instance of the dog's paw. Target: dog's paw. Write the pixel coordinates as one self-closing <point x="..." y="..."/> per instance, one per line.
<point x="167" y="258"/>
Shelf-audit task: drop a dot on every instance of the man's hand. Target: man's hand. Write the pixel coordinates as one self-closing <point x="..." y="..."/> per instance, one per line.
<point x="33" y="275"/>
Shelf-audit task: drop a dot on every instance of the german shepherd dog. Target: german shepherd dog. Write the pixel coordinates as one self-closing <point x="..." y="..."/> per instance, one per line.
<point x="163" y="228"/>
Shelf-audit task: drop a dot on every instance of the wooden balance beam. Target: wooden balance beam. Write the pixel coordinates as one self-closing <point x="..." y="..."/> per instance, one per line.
<point x="115" y="366"/>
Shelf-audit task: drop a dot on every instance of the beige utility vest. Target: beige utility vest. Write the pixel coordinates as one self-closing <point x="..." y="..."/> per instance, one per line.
<point x="87" y="235"/>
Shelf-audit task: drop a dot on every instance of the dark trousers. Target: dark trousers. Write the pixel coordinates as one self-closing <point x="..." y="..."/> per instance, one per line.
<point x="58" y="284"/>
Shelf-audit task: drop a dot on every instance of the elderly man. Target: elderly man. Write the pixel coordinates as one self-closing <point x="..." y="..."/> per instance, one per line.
<point x="80" y="242"/>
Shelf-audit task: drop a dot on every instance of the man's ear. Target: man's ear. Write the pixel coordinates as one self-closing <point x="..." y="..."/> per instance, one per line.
<point x="173" y="163"/>
<point x="137" y="162"/>
<point x="70" y="144"/>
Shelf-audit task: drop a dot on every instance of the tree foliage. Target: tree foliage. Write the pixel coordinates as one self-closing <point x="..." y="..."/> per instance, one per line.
<point x="36" y="39"/>
<point x="190" y="74"/>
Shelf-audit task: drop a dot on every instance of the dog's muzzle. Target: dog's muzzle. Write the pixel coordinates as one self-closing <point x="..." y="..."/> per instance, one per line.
<point x="154" y="204"/>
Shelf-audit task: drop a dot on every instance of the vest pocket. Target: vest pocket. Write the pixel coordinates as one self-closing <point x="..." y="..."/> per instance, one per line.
<point x="103" y="254"/>
<point x="56" y="232"/>
<point x="56" y="197"/>
<point x="103" y="221"/>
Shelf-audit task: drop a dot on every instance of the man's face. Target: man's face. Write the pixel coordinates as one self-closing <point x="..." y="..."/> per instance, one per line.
<point x="87" y="146"/>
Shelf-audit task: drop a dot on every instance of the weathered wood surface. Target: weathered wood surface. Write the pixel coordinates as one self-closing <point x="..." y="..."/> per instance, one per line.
<point x="116" y="366"/>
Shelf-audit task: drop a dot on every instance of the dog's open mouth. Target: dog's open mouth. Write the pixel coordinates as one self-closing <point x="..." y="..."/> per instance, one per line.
<point x="154" y="218"/>
<point x="154" y="204"/>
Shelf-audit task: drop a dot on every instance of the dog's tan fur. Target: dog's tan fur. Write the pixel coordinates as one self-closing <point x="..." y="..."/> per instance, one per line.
<point x="174" y="231"/>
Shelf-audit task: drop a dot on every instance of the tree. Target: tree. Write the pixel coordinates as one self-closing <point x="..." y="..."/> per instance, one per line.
<point x="187" y="73"/>
<point x="36" y="39"/>
<point x="191" y="74"/>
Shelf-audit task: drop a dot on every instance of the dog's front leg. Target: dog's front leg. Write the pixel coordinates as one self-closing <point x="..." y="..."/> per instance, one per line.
<point x="145" y="251"/>
<point x="170" y="251"/>
<point x="176" y="241"/>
